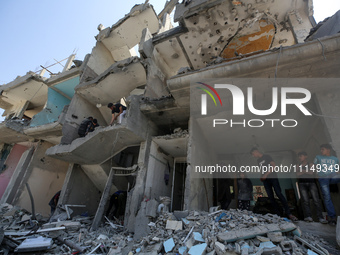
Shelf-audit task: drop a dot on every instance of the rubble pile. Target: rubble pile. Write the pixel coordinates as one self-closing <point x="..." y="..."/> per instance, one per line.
<point x="182" y="232"/>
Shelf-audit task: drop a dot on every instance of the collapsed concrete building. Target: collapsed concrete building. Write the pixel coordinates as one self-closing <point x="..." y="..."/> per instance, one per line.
<point x="149" y="155"/>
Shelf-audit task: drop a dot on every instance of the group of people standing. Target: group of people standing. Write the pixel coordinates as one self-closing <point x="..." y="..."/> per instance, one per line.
<point x="324" y="170"/>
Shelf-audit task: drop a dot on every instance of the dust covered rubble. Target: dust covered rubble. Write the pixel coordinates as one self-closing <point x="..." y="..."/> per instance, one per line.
<point x="182" y="232"/>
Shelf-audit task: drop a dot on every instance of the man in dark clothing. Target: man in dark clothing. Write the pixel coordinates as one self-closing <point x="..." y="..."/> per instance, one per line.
<point x="224" y="195"/>
<point x="118" y="110"/>
<point x="245" y="192"/>
<point x="118" y="200"/>
<point x="54" y="201"/>
<point x="306" y="179"/>
<point x="91" y="126"/>
<point x="83" y="126"/>
<point x="270" y="182"/>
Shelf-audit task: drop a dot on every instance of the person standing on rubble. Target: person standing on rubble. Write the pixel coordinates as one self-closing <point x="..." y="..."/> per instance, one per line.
<point x="118" y="111"/>
<point x="306" y="180"/>
<point x="270" y="182"/>
<point x="327" y="167"/>
<point x="245" y="192"/>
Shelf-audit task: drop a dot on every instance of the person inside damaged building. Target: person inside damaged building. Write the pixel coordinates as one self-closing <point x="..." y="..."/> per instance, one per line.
<point x="245" y="192"/>
<point x="118" y="201"/>
<point x="271" y="182"/>
<point x="327" y="168"/>
<point x="54" y="201"/>
<point x="224" y="195"/>
<point x="83" y="126"/>
<point x="118" y="112"/>
<point x="307" y="184"/>
<point x="91" y="126"/>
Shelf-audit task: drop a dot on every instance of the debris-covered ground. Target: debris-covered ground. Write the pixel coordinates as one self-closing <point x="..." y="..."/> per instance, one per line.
<point x="182" y="232"/>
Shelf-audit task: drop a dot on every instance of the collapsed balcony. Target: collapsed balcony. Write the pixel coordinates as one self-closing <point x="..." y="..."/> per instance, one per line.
<point x="116" y="82"/>
<point x="105" y="142"/>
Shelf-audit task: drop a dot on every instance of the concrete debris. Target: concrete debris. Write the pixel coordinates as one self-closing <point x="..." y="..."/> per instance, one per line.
<point x="182" y="232"/>
<point x="178" y="133"/>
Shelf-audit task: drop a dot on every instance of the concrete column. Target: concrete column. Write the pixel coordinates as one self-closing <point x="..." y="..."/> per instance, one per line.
<point x="328" y="102"/>
<point x="65" y="191"/>
<point x="103" y="200"/>
<point x="136" y="195"/>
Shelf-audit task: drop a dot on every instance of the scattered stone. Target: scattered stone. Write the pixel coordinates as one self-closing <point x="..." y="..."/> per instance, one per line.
<point x="275" y="237"/>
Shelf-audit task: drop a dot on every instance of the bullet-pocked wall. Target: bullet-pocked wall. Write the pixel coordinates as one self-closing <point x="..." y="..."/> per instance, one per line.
<point x="45" y="177"/>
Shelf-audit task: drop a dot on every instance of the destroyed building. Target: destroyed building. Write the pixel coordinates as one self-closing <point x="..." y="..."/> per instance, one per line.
<point x="150" y="153"/>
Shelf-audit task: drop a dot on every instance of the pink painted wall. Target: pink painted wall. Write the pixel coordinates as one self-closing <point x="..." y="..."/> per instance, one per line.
<point x="11" y="163"/>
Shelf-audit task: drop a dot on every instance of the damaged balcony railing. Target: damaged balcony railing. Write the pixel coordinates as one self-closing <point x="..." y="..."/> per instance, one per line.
<point x="124" y="171"/>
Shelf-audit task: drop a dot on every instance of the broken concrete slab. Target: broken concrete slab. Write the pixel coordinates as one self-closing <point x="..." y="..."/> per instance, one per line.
<point x="174" y="225"/>
<point x="151" y="208"/>
<point x="235" y="235"/>
<point x="35" y="244"/>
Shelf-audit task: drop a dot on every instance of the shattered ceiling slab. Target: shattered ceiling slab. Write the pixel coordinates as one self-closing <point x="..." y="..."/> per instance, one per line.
<point x="115" y="83"/>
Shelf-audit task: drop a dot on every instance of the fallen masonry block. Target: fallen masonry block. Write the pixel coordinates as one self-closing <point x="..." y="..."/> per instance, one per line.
<point x="69" y="225"/>
<point x="181" y="214"/>
<point x="270" y="251"/>
<point x="35" y="244"/>
<point x="198" y="249"/>
<point x="151" y="208"/>
<point x="169" y="245"/>
<point x="288" y="245"/>
<point x="219" y="248"/>
<point x="252" y="232"/>
<point x="275" y="237"/>
<point x="174" y="225"/>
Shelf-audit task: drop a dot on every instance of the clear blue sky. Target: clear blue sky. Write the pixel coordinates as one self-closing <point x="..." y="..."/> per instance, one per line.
<point x="34" y="33"/>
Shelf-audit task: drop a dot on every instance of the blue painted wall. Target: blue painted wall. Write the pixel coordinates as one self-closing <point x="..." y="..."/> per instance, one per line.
<point x="68" y="86"/>
<point x="50" y="114"/>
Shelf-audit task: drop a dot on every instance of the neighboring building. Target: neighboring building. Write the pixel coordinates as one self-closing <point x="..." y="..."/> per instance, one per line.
<point x="144" y="155"/>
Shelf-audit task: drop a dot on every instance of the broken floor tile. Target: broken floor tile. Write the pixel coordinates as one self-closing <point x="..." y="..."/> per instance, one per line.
<point x="198" y="237"/>
<point x="182" y="249"/>
<point x="198" y="249"/>
<point x="169" y="245"/>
